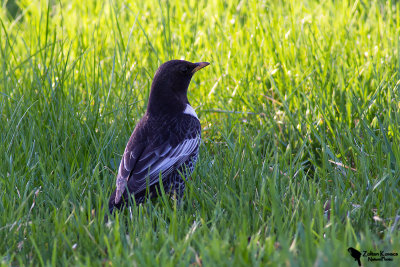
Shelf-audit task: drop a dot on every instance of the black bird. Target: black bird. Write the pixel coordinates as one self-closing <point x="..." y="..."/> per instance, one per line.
<point x="165" y="141"/>
<point x="355" y="254"/>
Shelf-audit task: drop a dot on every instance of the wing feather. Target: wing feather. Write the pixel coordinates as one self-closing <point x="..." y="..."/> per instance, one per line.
<point x="147" y="172"/>
<point x="128" y="162"/>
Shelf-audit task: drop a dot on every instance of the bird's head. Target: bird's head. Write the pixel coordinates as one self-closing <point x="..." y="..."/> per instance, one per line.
<point x="170" y="85"/>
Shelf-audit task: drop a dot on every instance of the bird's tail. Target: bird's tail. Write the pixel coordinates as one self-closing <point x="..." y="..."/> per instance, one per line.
<point x="359" y="262"/>
<point x="112" y="206"/>
<point x="124" y="201"/>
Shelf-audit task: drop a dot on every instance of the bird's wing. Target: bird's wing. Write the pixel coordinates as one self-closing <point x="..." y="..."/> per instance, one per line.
<point x="151" y="152"/>
<point x="129" y="159"/>
<point x="161" y="159"/>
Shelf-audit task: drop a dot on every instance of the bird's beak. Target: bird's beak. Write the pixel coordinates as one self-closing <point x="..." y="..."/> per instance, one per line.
<point x="199" y="66"/>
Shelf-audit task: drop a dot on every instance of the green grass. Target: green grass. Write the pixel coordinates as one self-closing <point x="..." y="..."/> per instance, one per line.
<point x="299" y="109"/>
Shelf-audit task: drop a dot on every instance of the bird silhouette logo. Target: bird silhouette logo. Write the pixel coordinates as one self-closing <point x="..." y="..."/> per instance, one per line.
<point x="355" y="254"/>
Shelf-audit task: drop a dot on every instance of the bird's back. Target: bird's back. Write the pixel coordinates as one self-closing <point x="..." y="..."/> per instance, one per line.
<point x="166" y="145"/>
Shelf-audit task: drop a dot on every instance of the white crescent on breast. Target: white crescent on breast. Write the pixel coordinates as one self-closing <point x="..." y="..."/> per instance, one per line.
<point x="190" y="111"/>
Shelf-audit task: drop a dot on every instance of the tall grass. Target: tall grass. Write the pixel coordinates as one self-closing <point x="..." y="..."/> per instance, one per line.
<point x="301" y="140"/>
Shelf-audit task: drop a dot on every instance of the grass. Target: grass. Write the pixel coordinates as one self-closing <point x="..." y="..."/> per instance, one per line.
<point x="301" y="140"/>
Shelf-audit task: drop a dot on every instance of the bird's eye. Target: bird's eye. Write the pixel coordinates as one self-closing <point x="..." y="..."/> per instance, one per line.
<point x="185" y="69"/>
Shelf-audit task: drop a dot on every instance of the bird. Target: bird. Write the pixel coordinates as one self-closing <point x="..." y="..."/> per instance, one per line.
<point x="164" y="145"/>
<point x="355" y="254"/>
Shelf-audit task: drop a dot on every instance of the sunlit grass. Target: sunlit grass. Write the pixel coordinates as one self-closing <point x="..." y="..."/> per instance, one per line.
<point x="301" y="139"/>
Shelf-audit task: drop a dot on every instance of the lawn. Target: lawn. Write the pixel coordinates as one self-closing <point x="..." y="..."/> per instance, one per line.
<point x="300" y="118"/>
